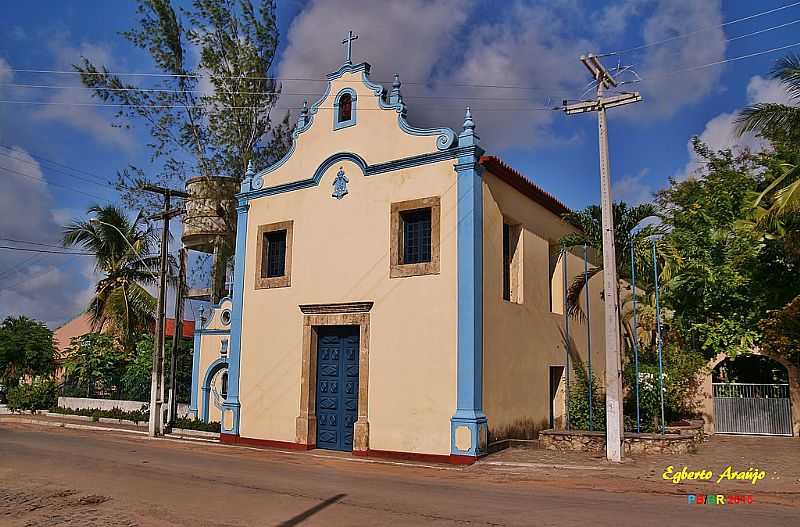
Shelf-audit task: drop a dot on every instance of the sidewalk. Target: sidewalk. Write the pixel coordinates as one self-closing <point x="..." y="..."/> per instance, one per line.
<point x="74" y="422"/>
<point x="778" y="457"/>
<point x="102" y="425"/>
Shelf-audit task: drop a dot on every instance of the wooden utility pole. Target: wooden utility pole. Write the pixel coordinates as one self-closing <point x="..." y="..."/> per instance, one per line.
<point x="155" y="424"/>
<point x="614" y="422"/>
<point x="180" y="288"/>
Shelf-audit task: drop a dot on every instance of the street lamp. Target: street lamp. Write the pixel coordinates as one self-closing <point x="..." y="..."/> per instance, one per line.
<point x="653" y="240"/>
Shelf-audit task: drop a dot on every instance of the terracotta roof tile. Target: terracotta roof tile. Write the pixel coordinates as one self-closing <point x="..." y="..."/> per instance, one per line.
<point x="501" y="170"/>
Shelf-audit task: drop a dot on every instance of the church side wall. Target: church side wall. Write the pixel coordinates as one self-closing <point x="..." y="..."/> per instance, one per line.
<point x="341" y="253"/>
<point x="522" y="340"/>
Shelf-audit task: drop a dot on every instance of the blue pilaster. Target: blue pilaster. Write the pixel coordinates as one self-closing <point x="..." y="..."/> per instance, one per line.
<point x="198" y="324"/>
<point x="468" y="426"/>
<point x="234" y="359"/>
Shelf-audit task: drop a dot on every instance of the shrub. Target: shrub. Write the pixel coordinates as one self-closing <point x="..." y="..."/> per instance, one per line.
<point x="195" y="424"/>
<point x="39" y="395"/>
<point x="137" y="416"/>
<point x="579" y="405"/>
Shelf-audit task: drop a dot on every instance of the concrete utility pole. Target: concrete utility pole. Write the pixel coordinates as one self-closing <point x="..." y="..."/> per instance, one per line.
<point x="180" y="288"/>
<point x="614" y="423"/>
<point x="155" y="424"/>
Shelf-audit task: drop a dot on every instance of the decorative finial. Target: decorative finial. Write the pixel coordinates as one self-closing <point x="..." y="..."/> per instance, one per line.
<point x="394" y="95"/>
<point x="349" y="42"/>
<point x="303" y="119"/>
<point x="469" y="124"/>
<point x="468" y="137"/>
<point x="247" y="182"/>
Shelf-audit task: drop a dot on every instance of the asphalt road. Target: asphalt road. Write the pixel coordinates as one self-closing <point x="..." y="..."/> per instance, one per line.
<point x="58" y="477"/>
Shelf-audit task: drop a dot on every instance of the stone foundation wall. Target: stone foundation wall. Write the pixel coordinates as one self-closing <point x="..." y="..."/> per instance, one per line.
<point x="678" y="440"/>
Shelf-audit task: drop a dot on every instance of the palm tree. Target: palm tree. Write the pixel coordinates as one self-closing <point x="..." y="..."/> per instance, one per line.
<point x="121" y="301"/>
<point x="781" y="200"/>
<point x="629" y="231"/>
<point x="781" y="118"/>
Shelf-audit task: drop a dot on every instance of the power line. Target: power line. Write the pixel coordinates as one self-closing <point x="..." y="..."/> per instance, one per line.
<point x="31" y="277"/>
<point x="32" y="243"/>
<point x="52" y="183"/>
<point x="290" y="79"/>
<point x="87" y="180"/>
<point x="36" y="258"/>
<point x="166" y="106"/>
<point x="31" y="250"/>
<point x="702" y="29"/>
<point x="46" y="160"/>
<point x="315" y="94"/>
<point x="710" y="64"/>
<point x="754" y="33"/>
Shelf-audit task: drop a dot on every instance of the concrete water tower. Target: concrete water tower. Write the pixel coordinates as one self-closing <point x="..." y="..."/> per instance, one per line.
<point x="210" y="227"/>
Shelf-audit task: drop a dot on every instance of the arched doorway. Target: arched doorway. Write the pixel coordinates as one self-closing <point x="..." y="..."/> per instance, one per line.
<point x="751" y="396"/>
<point x="215" y="388"/>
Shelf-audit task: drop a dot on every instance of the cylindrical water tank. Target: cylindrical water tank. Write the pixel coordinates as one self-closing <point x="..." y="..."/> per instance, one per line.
<point x="210" y="211"/>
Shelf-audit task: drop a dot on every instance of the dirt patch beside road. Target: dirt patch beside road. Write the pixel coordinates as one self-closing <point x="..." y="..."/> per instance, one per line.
<point x="28" y="505"/>
<point x="777" y="457"/>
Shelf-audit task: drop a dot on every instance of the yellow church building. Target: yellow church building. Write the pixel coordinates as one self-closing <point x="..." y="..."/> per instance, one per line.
<point x="396" y="292"/>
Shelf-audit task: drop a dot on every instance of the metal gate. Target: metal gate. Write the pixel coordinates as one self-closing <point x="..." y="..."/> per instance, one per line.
<point x="758" y="409"/>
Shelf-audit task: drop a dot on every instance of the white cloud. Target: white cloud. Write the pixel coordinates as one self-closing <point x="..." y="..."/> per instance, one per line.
<point x="666" y="95"/>
<point x="633" y="189"/>
<point x="5" y="71"/>
<point x="760" y="89"/>
<point x="68" y="105"/>
<point x="614" y="18"/>
<point x="720" y="131"/>
<point x="32" y="284"/>
<point x="437" y="46"/>
<point x="432" y="49"/>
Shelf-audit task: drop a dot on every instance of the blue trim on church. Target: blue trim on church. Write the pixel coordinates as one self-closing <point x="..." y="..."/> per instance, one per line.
<point x="195" y="368"/>
<point x="235" y="351"/>
<point x="469" y="402"/>
<point x="212" y="370"/>
<point x="337" y="124"/>
<point x="445" y="141"/>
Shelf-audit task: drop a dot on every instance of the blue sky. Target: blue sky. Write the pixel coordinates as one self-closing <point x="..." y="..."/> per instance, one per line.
<point x="441" y="49"/>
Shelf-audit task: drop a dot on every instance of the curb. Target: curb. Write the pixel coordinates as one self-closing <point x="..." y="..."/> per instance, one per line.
<point x="55" y="424"/>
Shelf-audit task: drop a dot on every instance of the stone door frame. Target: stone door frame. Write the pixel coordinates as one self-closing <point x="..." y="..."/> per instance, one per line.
<point x="315" y="316"/>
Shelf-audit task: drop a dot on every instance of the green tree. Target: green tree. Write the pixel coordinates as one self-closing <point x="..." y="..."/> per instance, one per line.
<point x="119" y="246"/>
<point x="94" y="364"/>
<point x="136" y="379"/>
<point x="138" y="372"/>
<point x="781" y="329"/>
<point x="26" y="348"/>
<point x="725" y="278"/>
<point x="200" y="129"/>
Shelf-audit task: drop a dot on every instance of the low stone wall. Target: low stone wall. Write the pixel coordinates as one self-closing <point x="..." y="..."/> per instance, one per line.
<point x="80" y="403"/>
<point x="679" y="441"/>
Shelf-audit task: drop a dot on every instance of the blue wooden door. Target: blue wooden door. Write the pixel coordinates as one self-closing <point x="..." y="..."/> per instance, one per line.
<point x="337" y="386"/>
